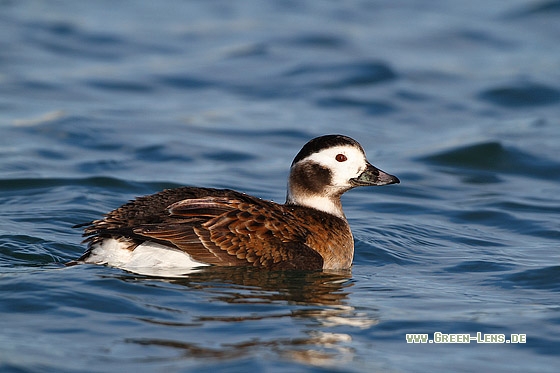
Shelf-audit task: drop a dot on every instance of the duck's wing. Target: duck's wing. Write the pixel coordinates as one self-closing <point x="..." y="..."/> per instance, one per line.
<point x="235" y="230"/>
<point x="151" y="209"/>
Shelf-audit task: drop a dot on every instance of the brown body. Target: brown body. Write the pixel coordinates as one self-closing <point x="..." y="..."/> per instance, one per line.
<point x="227" y="228"/>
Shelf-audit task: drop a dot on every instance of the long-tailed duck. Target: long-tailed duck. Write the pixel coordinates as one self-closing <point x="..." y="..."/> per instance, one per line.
<point x="179" y="229"/>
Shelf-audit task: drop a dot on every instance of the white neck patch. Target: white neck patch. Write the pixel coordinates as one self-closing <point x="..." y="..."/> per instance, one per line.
<point x="321" y="203"/>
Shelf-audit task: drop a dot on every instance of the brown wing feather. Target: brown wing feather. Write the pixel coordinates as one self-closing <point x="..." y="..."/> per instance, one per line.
<point x="246" y="231"/>
<point x="151" y="209"/>
<point x="215" y="226"/>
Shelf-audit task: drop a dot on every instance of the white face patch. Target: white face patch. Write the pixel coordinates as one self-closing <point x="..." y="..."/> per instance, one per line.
<point x="344" y="162"/>
<point x="343" y="168"/>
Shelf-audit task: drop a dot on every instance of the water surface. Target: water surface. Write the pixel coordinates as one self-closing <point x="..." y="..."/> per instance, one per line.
<point x="101" y="102"/>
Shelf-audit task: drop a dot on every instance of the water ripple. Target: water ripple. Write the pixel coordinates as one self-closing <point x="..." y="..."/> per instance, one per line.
<point x="521" y="95"/>
<point x="547" y="8"/>
<point x="495" y="157"/>
<point x="371" y="107"/>
<point x="343" y="75"/>
<point x="65" y="38"/>
<point x="547" y="278"/>
<point x="480" y="266"/>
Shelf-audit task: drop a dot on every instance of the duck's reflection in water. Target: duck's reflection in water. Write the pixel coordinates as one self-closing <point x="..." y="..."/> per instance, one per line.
<point x="311" y="305"/>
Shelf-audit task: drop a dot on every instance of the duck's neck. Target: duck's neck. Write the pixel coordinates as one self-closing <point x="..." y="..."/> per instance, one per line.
<point x="330" y="205"/>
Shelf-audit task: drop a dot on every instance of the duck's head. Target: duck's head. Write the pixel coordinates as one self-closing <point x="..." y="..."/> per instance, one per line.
<point x="328" y="166"/>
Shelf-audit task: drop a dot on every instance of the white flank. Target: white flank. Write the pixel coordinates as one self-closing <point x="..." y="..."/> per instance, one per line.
<point x="150" y="259"/>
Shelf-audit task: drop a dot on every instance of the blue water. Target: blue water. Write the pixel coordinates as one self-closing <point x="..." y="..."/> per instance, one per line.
<point x="103" y="101"/>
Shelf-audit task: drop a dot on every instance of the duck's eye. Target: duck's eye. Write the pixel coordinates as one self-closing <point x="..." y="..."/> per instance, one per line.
<point x="341" y="158"/>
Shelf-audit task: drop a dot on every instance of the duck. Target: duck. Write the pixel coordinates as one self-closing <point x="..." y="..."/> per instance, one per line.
<point x="179" y="230"/>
